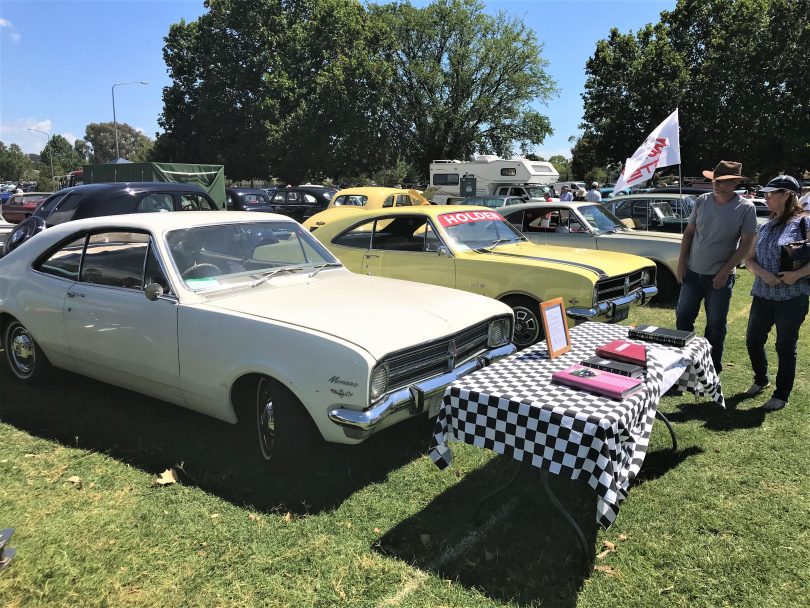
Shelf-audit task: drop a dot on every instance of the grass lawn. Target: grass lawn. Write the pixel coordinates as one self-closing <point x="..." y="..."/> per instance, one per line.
<point x="723" y="522"/>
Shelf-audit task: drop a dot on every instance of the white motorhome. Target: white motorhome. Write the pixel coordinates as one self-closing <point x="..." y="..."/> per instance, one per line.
<point x="493" y="175"/>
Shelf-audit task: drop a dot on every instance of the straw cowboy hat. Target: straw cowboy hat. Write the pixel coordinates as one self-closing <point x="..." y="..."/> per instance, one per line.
<point x="724" y="170"/>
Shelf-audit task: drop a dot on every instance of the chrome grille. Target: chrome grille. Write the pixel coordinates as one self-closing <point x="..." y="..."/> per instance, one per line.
<point x="616" y="287"/>
<point x="434" y="358"/>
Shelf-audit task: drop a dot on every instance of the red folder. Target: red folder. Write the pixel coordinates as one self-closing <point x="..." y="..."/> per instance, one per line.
<point x="597" y="381"/>
<point x="622" y="350"/>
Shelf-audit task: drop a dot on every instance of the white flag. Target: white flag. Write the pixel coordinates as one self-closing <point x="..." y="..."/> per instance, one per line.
<point x="662" y="148"/>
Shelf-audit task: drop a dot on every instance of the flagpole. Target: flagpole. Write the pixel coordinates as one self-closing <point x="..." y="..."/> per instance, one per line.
<point x="680" y="193"/>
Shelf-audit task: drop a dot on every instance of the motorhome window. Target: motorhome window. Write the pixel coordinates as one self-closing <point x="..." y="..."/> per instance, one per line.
<point x="509" y="171"/>
<point x="445" y="179"/>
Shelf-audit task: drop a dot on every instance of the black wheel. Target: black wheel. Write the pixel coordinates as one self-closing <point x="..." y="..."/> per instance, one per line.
<point x="277" y="423"/>
<point x="668" y="288"/>
<point x="25" y="359"/>
<point x="201" y="271"/>
<point x="528" y="326"/>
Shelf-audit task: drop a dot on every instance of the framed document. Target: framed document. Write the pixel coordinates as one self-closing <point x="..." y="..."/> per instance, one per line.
<point x="552" y="314"/>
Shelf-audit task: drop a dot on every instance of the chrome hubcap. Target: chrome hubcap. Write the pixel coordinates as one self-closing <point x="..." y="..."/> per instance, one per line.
<point x="527" y="328"/>
<point x="22" y="351"/>
<point x="265" y="418"/>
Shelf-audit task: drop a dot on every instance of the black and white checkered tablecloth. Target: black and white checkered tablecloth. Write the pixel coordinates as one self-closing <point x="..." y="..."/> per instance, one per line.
<point x="512" y="408"/>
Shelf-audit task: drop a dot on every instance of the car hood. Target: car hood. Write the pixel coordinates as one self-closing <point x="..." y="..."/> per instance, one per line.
<point x="377" y="314"/>
<point x="584" y="261"/>
<point x="642" y="235"/>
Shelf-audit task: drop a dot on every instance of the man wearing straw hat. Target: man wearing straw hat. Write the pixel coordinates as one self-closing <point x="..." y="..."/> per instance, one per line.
<point x="719" y="235"/>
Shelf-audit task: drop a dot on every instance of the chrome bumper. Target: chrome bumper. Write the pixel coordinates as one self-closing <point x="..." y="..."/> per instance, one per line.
<point x="609" y="309"/>
<point x="361" y="423"/>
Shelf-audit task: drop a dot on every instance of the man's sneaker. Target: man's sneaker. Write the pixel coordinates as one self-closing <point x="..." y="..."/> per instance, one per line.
<point x="756" y="389"/>
<point x="773" y="404"/>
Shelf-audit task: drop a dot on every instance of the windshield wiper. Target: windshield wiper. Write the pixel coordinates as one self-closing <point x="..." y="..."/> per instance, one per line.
<point x="493" y="245"/>
<point x="271" y="273"/>
<point x="326" y="265"/>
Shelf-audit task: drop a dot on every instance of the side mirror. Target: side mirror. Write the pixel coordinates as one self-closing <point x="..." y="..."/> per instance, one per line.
<point x="153" y="291"/>
<point x="442" y="250"/>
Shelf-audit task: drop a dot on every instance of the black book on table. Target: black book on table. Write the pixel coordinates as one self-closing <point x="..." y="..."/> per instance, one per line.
<point x="661" y="335"/>
<point x="617" y="367"/>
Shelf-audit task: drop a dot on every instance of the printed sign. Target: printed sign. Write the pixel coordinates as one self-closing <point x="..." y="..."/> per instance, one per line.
<point x="466" y="217"/>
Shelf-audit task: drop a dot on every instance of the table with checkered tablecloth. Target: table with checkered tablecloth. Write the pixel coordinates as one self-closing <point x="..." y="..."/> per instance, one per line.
<point x="513" y="408"/>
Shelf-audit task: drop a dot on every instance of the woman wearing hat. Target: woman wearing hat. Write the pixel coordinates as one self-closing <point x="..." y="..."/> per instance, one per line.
<point x="780" y="298"/>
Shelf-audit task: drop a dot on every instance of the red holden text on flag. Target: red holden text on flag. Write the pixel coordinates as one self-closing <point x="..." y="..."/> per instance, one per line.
<point x="650" y="166"/>
<point x="465" y="217"/>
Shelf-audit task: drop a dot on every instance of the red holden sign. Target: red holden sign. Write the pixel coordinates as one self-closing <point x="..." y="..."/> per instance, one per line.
<point x="465" y="217"/>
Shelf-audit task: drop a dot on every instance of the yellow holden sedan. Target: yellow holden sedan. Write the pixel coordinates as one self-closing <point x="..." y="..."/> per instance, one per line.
<point x="350" y="200"/>
<point x="475" y="249"/>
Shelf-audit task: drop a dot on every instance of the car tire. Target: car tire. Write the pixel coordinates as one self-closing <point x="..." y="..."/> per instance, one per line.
<point x="528" y="325"/>
<point x="25" y="358"/>
<point x="668" y="287"/>
<point x="277" y="427"/>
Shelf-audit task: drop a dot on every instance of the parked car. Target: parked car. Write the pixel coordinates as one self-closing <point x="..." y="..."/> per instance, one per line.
<point x="20" y="206"/>
<point x="492" y="201"/>
<point x="5" y="230"/>
<point x="93" y="200"/>
<point x="350" y="200"/>
<point x="243" y="317"/>
<point x="301" y="202"/>
<point x="653" y="211"/>
<point x="475" y="249"/>
<point x="247" y="199"/>
<point x="593" y="226"/>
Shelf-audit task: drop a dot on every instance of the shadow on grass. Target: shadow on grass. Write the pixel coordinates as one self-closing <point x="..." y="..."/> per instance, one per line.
<point x="153" y="435"/>
<point x="658" y="463"/>
<point x="524" y="551"/>
<point x="716" y="418"/>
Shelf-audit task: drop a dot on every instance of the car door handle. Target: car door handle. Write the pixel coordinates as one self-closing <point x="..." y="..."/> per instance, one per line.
<point x="372" y="255"/>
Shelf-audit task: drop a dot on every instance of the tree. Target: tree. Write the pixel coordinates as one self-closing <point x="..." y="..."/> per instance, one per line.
<point x="65" y="158"/>
<point x="15" y="165"/>
<point x="562" y="165"/>
<point x="132" y="144"/>
<point x="737" y="69"/>
<point x="464" y="81"/>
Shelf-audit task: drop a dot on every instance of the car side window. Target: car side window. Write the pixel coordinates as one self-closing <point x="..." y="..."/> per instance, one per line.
<point x="389" y="201"/>
<point x="153" y="273"/>
<point x="157" y="201"/>
<point x="516" y="219"/>
<point x="404" y="233"/>
<point x="293" y="196"/>
<point x="64" y="210"/>
<point x="65" y="261"/>
<point x="623" y="210"/>
<point x="309" y="199"/>
<point x="191" y="201"/>
<point x="358" y="237"/>
<point x="403" y="200"/>
<point x="115" y="259"/>
<point x="278" y="198"/>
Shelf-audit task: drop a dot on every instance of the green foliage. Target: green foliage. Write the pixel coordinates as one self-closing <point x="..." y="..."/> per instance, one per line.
<point x="15" y="165"/>
<point x="738" y="70"/>
<point x="132" y="144"/>
<point x="303" y="89"/>
<point x="65" y="157"/>
<point x="463" y="81"/>
<point x="562" y="165"/>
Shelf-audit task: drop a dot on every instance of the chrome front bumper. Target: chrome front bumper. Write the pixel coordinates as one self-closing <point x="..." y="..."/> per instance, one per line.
<point x="359" y="424"/>
<point x="610" y="308"/>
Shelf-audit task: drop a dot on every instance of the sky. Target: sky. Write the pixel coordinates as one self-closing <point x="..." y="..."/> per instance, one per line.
<point x="59" y="60"/>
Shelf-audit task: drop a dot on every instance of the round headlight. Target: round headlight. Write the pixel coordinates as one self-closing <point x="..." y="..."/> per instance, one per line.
<point x="646" y="277"/>
<point x="379" y="382"/>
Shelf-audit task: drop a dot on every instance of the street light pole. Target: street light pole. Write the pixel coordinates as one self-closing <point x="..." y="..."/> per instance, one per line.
<point x="115" y="123"/>
<point x="50" y="152"/>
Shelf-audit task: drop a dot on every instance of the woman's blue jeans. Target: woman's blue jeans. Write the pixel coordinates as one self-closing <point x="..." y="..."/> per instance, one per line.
<point x="788" y="316"/>
<point x="696" y="288"/>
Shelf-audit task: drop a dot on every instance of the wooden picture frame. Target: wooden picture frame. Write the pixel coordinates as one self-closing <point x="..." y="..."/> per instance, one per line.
<point x="555" y="326"/>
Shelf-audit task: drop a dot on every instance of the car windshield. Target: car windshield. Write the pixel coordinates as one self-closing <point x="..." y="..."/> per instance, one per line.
<point x="478" y="230"/>
<point x="226" y="255"/>
<point x="492" y="203"/>
<point x="537" y="192"/>
<point x="601" y="219"/>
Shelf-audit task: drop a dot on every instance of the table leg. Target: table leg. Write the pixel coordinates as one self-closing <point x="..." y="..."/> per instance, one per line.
<point x="663" y="418"/>
<point x="519" y="469"/>
<point x="583" y="544"/>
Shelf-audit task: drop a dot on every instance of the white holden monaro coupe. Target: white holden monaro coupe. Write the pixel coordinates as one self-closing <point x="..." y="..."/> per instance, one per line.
<point x="244" y="317"/>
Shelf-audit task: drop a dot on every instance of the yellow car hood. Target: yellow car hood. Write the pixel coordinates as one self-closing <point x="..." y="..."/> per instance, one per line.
<point x="585" y="261"/>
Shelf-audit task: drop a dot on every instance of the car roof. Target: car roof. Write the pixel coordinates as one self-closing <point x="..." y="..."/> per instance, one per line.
<point x="133" y="187"/>
<point x="429" y="210"/>
<point x="546" y="205"/>
<point x="495" y="197"/>
<point x="659" y="195"/>
<point x="247" y="190"/>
